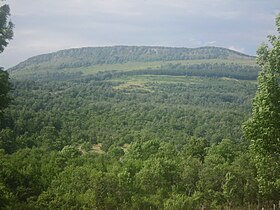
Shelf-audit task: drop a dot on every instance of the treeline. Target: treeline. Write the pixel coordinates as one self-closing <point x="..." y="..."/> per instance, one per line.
<point x="50" y="76"/>
<point x="211" y="70"/>
<point x="234" y="71"/>
<point x="203" y="70"/>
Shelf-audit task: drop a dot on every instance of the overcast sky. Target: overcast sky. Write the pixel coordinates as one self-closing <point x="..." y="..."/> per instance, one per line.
<point x="43" y="26"/>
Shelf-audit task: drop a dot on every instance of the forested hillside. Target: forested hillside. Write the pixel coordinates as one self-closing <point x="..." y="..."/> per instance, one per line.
<point x="129" y="128"/>
<point x="83" y="57"/>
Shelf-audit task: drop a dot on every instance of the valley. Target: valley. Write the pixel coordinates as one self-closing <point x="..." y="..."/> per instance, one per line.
<point x="144" y="131"/>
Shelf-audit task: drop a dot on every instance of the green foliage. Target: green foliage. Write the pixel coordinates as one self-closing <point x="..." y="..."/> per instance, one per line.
<point x="167" y="137"/>
<point x="6" y="27"/>
<point x="196" y="147"/>
<point x="6" y="34"/>
<point x="90" y="56"/>
<point x="8" y="140"/>
<point x="5" y="87"/>
<point x="263" y="127"/>
<point x="181" y="202"/>
<point x="242" y="72"/>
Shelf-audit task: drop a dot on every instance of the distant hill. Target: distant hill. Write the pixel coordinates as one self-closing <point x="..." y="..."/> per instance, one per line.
<point x="89" y="56"/>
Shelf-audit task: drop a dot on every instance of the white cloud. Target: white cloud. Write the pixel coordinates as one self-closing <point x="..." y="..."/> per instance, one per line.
<point x="197" y="43"/>
<point x="238" y="49"/>
<point x="210" y="43"/>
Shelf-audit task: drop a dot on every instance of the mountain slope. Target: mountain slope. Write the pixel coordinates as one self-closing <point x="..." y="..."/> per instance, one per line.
<point x="85" y="57"/>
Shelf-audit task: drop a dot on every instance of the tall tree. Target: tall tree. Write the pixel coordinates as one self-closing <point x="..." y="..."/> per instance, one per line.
<point x="263" y="128"/>
<point x="6" y="27"/>
<point x="6" y="34"/>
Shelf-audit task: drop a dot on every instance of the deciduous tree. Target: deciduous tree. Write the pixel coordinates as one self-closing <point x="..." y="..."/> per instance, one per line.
<point x="6" y="27"/>
<point x="263" y="127"/>
<point x="6" y="34"/>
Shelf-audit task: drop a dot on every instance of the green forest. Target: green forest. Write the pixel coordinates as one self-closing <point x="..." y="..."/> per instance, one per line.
<point x="141" y="128"/>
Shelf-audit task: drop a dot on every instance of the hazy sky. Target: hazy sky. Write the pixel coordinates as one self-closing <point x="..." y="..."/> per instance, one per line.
<point x="43" y="26"/>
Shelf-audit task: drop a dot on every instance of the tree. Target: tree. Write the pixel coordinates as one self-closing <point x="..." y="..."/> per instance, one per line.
<point x="263" y="127"/>
<point x="6" y="27"/>
<point x="6" y="34"/>
<point x="5" y="87"/>
<point x="7" y="140"/>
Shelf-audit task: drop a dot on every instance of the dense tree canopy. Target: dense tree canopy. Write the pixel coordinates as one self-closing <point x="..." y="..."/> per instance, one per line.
<point x="5" y="87"/>
<point x="167" y="137"/>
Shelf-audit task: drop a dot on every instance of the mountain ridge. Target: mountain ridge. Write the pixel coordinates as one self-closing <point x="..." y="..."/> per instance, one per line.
<point x="89" y="56"/>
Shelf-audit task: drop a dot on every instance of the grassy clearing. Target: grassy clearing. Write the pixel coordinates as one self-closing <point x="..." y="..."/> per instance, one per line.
<point x="135" y="84"/>
<point x="142" y="80"/>
<point x="145" y="83"/>
<point x="94" y="148"/>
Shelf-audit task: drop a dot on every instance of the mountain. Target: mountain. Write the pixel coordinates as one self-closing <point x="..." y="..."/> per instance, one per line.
<point x="129" y="128"/>
<point x="89" y="56"/>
